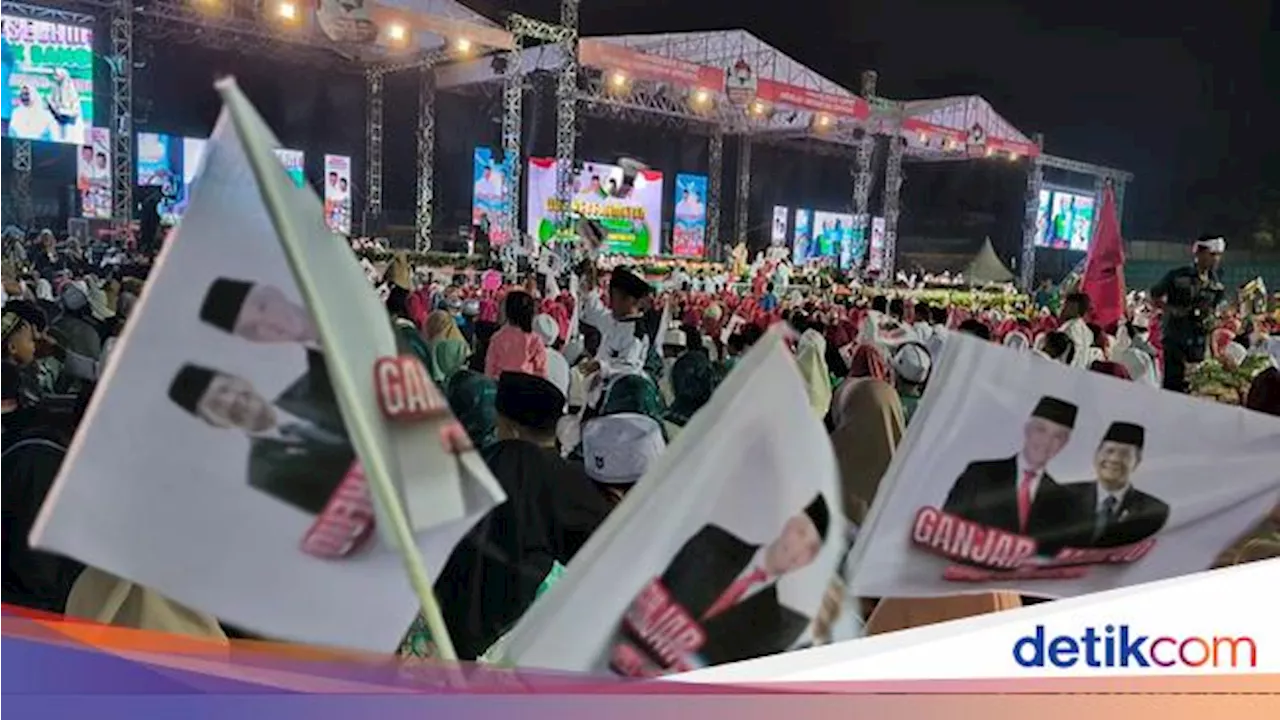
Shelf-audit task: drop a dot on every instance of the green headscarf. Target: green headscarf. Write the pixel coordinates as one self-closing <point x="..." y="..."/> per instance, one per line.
<point x="693" y="380"/>
<point x="473" y="398"/>
<point x="633" y="394"/>
<point x="446" y="356"/>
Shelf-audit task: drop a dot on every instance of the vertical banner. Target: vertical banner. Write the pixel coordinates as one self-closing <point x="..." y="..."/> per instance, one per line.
<point x="294" y="162"/>
<point x="689" y="231"/>
<point x="876" y="261"/>
<point x="489" y="203"/>
<point x="93" y="174"/>
<point x="778" y="231"/>
<point x="802" y="237"/>
<point x="337" y="193"/>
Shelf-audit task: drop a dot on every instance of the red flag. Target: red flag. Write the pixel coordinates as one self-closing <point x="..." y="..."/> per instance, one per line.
<point x="1104" y="267"/>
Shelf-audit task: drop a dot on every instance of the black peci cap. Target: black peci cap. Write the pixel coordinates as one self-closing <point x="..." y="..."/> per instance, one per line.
<point x="529" y="400"/>
<point x="189" y="385"/>
<point x="629" y="283"/>
<point x="1056" y="410"/>
<point x="222" y="303"/>
<point x="818" y="513"/>
<point x="1125" y="433"/>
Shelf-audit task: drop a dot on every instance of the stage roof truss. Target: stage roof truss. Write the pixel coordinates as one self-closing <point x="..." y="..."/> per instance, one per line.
<point x="960" y="116"/>
<point x="647" y="103"/>
<point x="723" y="48"/>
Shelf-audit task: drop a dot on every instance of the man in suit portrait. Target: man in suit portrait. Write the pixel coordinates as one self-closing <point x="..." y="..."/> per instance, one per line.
<point x="299" y="449"/>
<point x="729" y="585"/>
<point x="1116" y="513"/>
<point x="1016" y="494"/>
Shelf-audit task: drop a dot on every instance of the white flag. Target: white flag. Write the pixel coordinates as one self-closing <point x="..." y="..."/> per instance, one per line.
<point x="721" y="552"/>
<point x="1024" y="474"/>
<point x="223" y="434"/>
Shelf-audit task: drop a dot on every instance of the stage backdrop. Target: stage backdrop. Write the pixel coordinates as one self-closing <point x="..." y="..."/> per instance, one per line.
<point x="632" y="221"/>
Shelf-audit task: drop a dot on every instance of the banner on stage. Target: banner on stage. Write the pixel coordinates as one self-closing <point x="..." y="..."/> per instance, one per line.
<point x="93" y="174"/>
<point x="1024" y="474"/>
<point x="631" y="214"/>
<point x="337" y="193"/>
<point x="722" y="552"/>
<point x="689" y="229"/>
<point x="778" y="230"/>
<point x="223" y="461"/>
<point x="489" y="201"/>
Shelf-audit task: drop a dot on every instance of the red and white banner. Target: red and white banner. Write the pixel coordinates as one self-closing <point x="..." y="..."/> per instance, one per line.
<point x="794" y="96"/>
<point x="606" y="56"/>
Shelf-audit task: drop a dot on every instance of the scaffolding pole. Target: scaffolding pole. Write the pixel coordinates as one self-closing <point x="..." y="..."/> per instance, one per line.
<point x="424" y="216"/>
<point x="512" y="118"/>
<point x="22" y="181"/>
<point x="715" y="179"/>
<point x="862" y="170"/>
<point x="121" y="64"/>
<point x="742" y="206"/>
<point x="373" y="153"/>
<point x="892" y="190"/>
<point x="1030" y="214"/>
<point x="567" y="107"/>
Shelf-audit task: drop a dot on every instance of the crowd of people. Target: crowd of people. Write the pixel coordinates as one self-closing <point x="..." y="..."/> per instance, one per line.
<point x="572" y="387"/>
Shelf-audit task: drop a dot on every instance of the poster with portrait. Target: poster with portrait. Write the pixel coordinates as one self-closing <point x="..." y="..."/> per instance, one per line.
<point x="876" y="248"/>
<point x="226" y="457"/>
<point x="489" y="202"/>
<point x="1021" y="473"/>
<point x="337" y="193"/>
<point x="93" y="174"/>
<point x="778" y="228"/>
<point x="721" y="552"/>
<point x="48" y="80"/>
<point x="802" y="248"/>
<point x="689" y="231"/>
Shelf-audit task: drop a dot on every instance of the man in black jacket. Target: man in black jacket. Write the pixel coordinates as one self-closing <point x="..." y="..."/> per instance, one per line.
<point x="1016" y="494"/>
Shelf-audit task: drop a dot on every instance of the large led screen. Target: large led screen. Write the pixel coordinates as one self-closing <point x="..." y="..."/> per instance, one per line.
<point x="1064" y="220"/>
<point x="689" y="229"/>
<point x="48" y="81"/>
<point x="630" y="215"/>
<point x="489" y="202"/>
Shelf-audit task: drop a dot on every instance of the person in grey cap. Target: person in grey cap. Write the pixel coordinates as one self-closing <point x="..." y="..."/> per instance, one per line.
<point x="729" y="587"/>
<point x="912" y="365"/>
<point x="1113" y="511"/>
<point x="1017" y="494"/>
<point x="617" y="450"/>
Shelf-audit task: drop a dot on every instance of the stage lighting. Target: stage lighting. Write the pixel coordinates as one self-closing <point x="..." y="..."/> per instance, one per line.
<point x="287" y="11"/>
<point x="397" y="32"/>
<point x="1014" y="157"/>
<point x="618" y="80"/>
<point x="700" y="99"/>
<point x="758" y="108"/>
<point x="991" y="151"/>
<point x="462" y="45"/>
<point x="823" y="121"/>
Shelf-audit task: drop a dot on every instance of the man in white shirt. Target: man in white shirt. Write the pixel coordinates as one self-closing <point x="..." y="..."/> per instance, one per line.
<point x="624" y="339"/>
<point x="546" y="328"/>
<point x="1075" y="308"/>
<point x="30" y="120"/>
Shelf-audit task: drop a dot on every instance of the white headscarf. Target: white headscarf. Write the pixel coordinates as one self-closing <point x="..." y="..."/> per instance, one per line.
<point x="811" y="358"/>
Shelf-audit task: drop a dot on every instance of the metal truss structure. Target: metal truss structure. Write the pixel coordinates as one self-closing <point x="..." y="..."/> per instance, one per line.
<point x="862" y="170"/>
<point x="121" y="62"/>
<point x="892" y="190"/>
<point x="22" y="181"/>
<point x="715" y="182"/>
<point x="742" y="206"/>
<point x="512" y="119"/>
<point x="373" y="152"/>
<point x="424" y="215"/>
<point x="565" y="35"/>
<point x="1030" y="213"/>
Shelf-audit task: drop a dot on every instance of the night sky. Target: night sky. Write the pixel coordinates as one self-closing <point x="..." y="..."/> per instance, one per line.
<point x="1185" y="96"/>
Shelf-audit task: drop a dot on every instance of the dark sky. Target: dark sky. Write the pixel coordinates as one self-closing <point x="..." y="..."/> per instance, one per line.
<point x="1184" y="95"/>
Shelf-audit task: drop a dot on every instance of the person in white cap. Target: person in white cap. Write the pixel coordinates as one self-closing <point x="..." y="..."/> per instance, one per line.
<point x="912" y="365"/>
<point x="674" y="343"/>
<point x="617" y="450"/>
<point x="546" y="328"/>
<point x="1190" y="296"/>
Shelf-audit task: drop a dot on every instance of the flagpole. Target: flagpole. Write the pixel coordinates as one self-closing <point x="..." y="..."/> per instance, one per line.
<point x="377" y="471"/>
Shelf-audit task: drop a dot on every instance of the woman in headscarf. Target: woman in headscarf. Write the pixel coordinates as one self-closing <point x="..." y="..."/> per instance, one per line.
<point x="811" y="359"/>
<point x="868" y="362"/>
<point x="407" y="333"/>
<point x="869" y="425"/>
<point x="447" y="349"/>
<point x="472" y="397"/>
<point x="693" y="380"/>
